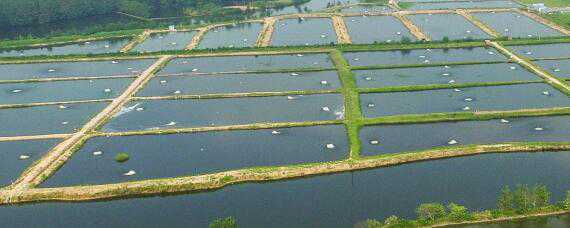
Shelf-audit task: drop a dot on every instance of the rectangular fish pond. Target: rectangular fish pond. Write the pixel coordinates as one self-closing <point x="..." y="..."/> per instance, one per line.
<point x="74" y="69"/>
<point x="16" y="156"/>
<point x="560" y="50"/>
<point x="560" y="68"/>
<point x="463" y="5"/>
<point x="516" y="25"/>
<point x="367" y="30"/>
<point x="423" y="56"/>
<point x="165" y="42"/>
<point x="497" y="72"/>
<point x="304" y="32"/>
<point x="241" y="83"/>
<point x="231" y="36"/>
<point x="199" y="153"/>
<point x="388" y="139"/>
<point x="246" y="63"/>
<point x="84" y="48"/>
<point x="337" y="200"/>
<point x="493" y="98"/>
<point x="50" y="119"/>
<point x="58" y="91"/>
<point x="450" y="26"/>
<point x="185" y="113"/>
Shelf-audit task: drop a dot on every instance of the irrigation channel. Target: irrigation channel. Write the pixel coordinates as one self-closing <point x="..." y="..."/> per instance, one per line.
<point x="307" y="134"/>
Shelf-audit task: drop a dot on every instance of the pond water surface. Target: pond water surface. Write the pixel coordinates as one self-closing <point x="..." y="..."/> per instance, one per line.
<point x="164" y="114"/>
<point x="464" y="5"/>
<point x="494" y="98"/>
<point x="165" y="42"/>
<point x="11" y="162"/>
<point x="231" y="36"/>
<point x="199" y="153"/>
<point x="560" y="68"/>
<point x="414" y="137"/>
<point x="367" y="30"/>
<point x="338" y="200"/>
<point x="561" y="50"/>
<point x="303" y="32"/>
<point x="366" y="9"/>
<point x="91" y="47"/>
<point x="516" y="25"/>
<point x="452" y="26"/>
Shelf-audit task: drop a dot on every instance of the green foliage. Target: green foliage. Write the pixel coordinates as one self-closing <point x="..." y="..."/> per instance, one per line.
<point x="506" y="200"/>
<point x="229" y="222"/>
<point x="541" y="196"/>
<point x="566" y="202"/>
<point x="458" y="212"/>
<point x="392" y="220"/>
<point x="369" y="223"/>
<point x="430" y="212"/>
<point x="445" y="39"/>
<point x="122" y="157"/>
<point x="135" y="8"/>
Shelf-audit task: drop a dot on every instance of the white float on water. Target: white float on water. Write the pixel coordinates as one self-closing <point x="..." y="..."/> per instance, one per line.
<point x="97" y="153"/>
<point x="291" y="98"/>
<point x="466" y="108"/>
<point x="368" y="78"/>
<point x="16" y="91"/>
<point x="172" y="123"/>
<point x="371" y="105"/>
<point x="275" y="132"/>
<point x="451" y="81"/>
<point x="163" y="82"/>
<point x="374" y="142"/>
<point x="468" y="99"/>
<point x="356" y="59"/>
<point x="457" y="90"/>
<point x="114" y="62"/>
<point x="107" y="90"/>
<point x="445" y="74"/>
<point x="491" y="53"/>
<point x="513" y="67"/>
<point x="398" y="33"/>
<point x="299" y="55"/>
<point x="446" y="67"/>
<point x="426" y="61"/>
<point x="452" y="142"/>
<point x="24" y="157"/>
<point x="62" y="107"/>
<point x="468" y="31"/>
<point x="295" y="74"/>
<point x="330" y="146"/>
<point x="504" y="121"/>
<point x="326" y="109"/>
<point x="194" y="70"/>
<point x="324" y="82"/>
<point x="538" y="129"/>
<point x="557" y="70"/>
<point x="64" y="123"/>
<point x="130" y="173"/>
<point x="51" y="70"/>
<point x="546" y="93"/>
<point x="107" y="46"/>
<point x="139" y="109"/>
<point x="177" y="92"/>
<point x="528" y="53"/>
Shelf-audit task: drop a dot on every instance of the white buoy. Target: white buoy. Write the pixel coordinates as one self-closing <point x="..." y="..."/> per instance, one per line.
<point x="177" y="92"/>
<point x="291" y="98"/>
<point x="368" y="78"/>
<point x="130" y="173"/>
<point x="451" y="81"/>
<point x="64" y="123"/>
<point x="504" y="121"/>
<point x="114" y="62"/>
<point x="452" y="142"/>
<point x="194" y="70"/>
<point x="457" y="90"/>
<point x="466" y="108"/>
<point x="398" y="33"/>
<point x="62" y="107"/>
<point x="172" y="123"/>
<point x="528" y="53"/>
<point x="538" y="129"/>
<point x="330" y="146"/>
<point x="546" y="93"/>
<point x="491" y="53"/>
<point x="326" y="109"/>
<point x="374" y="142"/>
<point x="295" y="74"/>
<point x="275" y="132"/>
<point x="51" y="70"/>
<point x="426" y="61"/>
<point x="107" y="90"/>
<point x="87" y="42"/>
<point x="468" y="99"/>
<point x="98" y="153"/>
<point x="422" y="56"/>
<point x="299" y="55"/>
<point x="513" y="67"/>
<point x="356" y="59"/>
<point x="446" y="67"/>
<point x="323" y="36"/>
<point x="163" y="82"/>
<point x="107" y="46"/>
<point x="324" y="82"/>
<point x="557" y="70"/>
<point x="139" y="109"/>
<point x="445" y="74"/>
<point x="17" y="91"/>
<point x="24" y="157"/>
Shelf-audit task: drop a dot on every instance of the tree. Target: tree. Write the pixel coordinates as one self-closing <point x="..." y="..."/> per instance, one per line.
<point x="522" y="199"/>
<point x="567" y="201"/>
<point x="430" y="211"/>
<point x="541" y="196"/>
<point x="458" y="212"/>
<point x="229" y="222"/>
<point x="445" y="39"/>
<point x="505" y="201"/>
<point x="392" y="220"/>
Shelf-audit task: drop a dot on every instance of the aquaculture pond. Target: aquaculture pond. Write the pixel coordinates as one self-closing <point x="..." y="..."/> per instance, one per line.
<point x="463" y="5"/>
<point x="241" y="83"/>
<point x="165" y="114"/>
<point x="165" y="42"/>
<point x="450" y="26"/>
<point x="16" y="156"/>
<point x="199" y="153"/>
<point x="366" y="9"/>
<point x="231" y="36"/>
<point x="499" y="72"/>
<point x="388" y="139"/>
<point x="51" y="119"/>
<point x="303" y="31"/>
<point x="516" y="25"/>
<point x="310" y="6"/>
<point x="76" y="90"/>
<point x="367" y="30"/>
<point x="423" y="56"/>
<point x="494" y="98"/>
<point x="73" y="69"/>
<point x="84" y="48"/>
<point x="246" y="63"/>
<point x="561" y="50"/>
<point x="338" y="200"/>
<point x="561" y="221"/>
<point x="560" y="68"/>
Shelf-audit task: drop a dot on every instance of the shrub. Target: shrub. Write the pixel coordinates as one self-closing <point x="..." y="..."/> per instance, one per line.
<point x="445" y="39"/>
<point x="458" y="212"/>
<point x="429" y="212"/>
<point x="567" y="201"/>
<point x="229" y="222"/>
<point x="122" y="157"/>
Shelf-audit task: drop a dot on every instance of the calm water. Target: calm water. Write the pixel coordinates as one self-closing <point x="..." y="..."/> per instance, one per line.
<point x="512" y="97"/>
<point x="543" y="51"/>
<point x="51" y="119"/>
<point x="413" y="137"/>
<point x="73" y="69"/>
<point x="91" y="47"/>
<point x="11" y="166"/>
<point x="338" y="200"/>
<point x="246" y="63"/>
<point x="240" y="83"/>
<point x="165" y="42"/>
<point x="20" y="93"/>
<point x="500" y="72"/>
<point x="311" y="6"/>
<point x="366" y="9"/>
<point x="200" y="153"/>
<point x="560" y="68"/>
<point x="367" y="30"/>
<point x="298" y="32"/>
<point x="426" y="56"/>
<point x="464" y="5"/>
<point x="234" y="36"/>
<point x="562" y="221"/>
<point x="516" y="25"/>
<point x="452" y="26"/>
<point x="228" y="111"/>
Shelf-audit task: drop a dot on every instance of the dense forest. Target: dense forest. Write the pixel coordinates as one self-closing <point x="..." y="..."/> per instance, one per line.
<point x="29" y="12"/>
